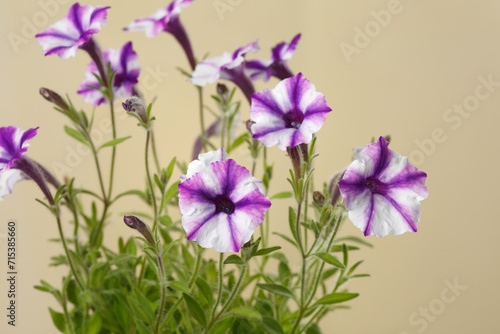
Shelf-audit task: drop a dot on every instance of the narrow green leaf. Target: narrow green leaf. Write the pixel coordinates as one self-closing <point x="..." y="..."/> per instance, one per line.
<point x="265" y="251"/>
<point x="237" y="142"/>
<point x="58" y="320"/>
<point x="179" y="286"/>
<point x="336" y="297"/>
<point x="205" y="290"/>
<point x="114" y="142"/>
<point x="340" y="248"/>
<point x="357" y="240"/>
<point x="286" y="238"/>
<point x="195" y="310"/>
<point x="277" y="289"/>
<point x="170" y="168"/>
<point x="76" y="135"/>
<point x="222" y="326"/>
<point x="330" y="259"/>
<point x="283" y="194"/>
<point x="346" y="254"/>
<point x="246" y="312"/>
<point x="292" y="221"/>
<point x="271" y="326"/>
<point x="235" y="259"/>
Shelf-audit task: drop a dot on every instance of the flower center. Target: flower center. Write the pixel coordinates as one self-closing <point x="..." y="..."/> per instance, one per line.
<point x="374" y="185"/>
<point x="223" y="204"/>
<point x="293" y="119"/>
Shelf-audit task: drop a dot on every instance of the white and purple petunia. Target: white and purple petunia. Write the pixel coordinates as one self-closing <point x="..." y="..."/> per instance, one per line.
<point x="289" y="114"/>
<point x="224" y="67"/>
<point x="221" y="202"/>
<point x="68" y="34"/>
<point x="276" y="65"/>
<point x="162" y="20"/>
<point x="126" y="64"/>
<point x="382" y="191"/>
<point x="13" y="144"/>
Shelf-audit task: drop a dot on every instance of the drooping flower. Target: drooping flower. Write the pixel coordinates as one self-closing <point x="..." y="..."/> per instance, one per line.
<point x="275" y="66"/>
<point x="221" y="202"/>
<point x="8" y="178"/>
<point x="229" y="66"/>
<point x="166" y="19"/>
<point x="289" y="114"/>
<point x="68" y="34"/>
<point x="13" y="144"/>
<point x="125" y="62"/>
<point x="382" y="191"/>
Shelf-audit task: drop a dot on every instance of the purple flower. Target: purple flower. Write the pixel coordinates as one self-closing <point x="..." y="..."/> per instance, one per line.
<point x="221" y="202"/>
<point x="229" y="66"/>
<point x="13" y="144"/>
<point x="65" y="36"/>
<point x="276" y="66"/>
<point x="382" y="191"/>
<point x="289" y="114"/>
<point x="125" y="63"/>
<point x="166" y="19"/>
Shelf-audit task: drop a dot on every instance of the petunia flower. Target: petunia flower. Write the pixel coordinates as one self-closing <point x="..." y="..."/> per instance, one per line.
<point x="70" y="33"/>
<point x="275" y="66"/>
<point x="221" y="202"/>
<point x="13" y="144"/>
<point x="166" y="19"/>
<point x="289" y="114"/>
<point x="229" y="66"/>
<point x="382" y="191"/>
<point x="125" y="62"/>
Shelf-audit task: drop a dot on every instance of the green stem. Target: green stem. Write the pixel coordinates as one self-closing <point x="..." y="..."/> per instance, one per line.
<point x="155" y="152"/>
<point x="202" y="117"/>
<point x="220" y="283"/>
<point x="230" y="299"/>
<point x="190" y="285"/>
<point x="66" y="251"/>
<point x="150" y="182"/>
<point x="163" y="287"/>
<point x="113" y="153"/>
<point x="67" y="318"/>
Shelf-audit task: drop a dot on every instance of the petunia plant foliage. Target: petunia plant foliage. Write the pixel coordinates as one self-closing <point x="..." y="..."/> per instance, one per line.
<point x="268" y="271"/>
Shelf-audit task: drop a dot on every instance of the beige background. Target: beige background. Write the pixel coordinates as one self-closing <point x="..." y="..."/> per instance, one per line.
<point x="428" y="58"/>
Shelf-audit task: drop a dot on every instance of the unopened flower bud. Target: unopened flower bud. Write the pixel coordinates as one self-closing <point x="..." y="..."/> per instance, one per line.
<point x="333" y="187"/>
<point x="222" y="91"/>
<point x="55" y="98"/>
<point x="318" y="198"/>
<point x="137" y="224"/>
<point x="388" y="138"/>
<point x="249" y="124"/>
<point x="135" y="105"/>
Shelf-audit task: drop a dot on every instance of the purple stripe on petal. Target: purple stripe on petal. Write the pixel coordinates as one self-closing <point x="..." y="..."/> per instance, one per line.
<point x="369" y="215"/>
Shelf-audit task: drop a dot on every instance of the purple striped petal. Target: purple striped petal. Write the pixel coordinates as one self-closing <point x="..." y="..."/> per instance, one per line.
<point x="65" y="36"/>
<point x="382" y="191"/>
<point x="13" y="144"/>
<point x="221" y="202"/>
<point x="126" y="64"/>
<point x="160" y="20"/>
<point x="289" y="114"/>
<point x="210" y="70"/>
<point x="8" y="178"/>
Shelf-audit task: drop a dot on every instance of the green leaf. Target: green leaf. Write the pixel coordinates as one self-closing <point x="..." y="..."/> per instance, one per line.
<point x="292" y="221"/>
<point x="95" y="323"/>
<point x="336" y="297"/>
<point x="235" y="259"/>
<point x="237" y="142"/>
<point x="221" y="327"/>
<point x="195" y="310"/>
<point x="271" y="326"/>
<point x="357" y="240"/>
<point x="170" y="168"/>
<point x="165" y="220"/>
<point x="277" y="289"/>
<point x="265" y="251"/>
<point x="286" y="238"/>
<point x="179" y="286"/>
<point x="114" y="142"/>
<point x="246" y="312"/>
<point x="58" y="320"/>
<point x="284" y="194"/>
<point x="340" y="248"/>
<point x="188" y="258"/>
<point x="346" y="254"/>
<point x="205" y="290"/>
<point x="76" y="135"/>
<point x="330" y="259"/>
